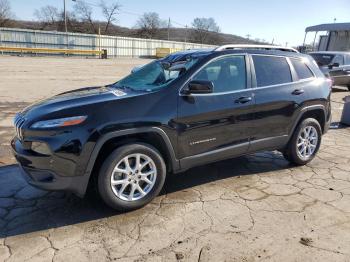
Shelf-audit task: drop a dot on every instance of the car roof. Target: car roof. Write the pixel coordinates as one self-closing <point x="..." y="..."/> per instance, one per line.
<point x="255" y="47"/>
<point x="262" y="52"/>
<point x="183" y="55"/>
<point x="331" y="52"/>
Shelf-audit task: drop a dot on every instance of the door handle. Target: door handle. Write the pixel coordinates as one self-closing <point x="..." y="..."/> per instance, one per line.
<point x="243" y="100"/>
<point x="298" y="92"/>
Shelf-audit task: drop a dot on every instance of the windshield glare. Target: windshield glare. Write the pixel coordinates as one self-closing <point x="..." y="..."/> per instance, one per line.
<point x="155" y="75"/>
<point x="323" y="59"/>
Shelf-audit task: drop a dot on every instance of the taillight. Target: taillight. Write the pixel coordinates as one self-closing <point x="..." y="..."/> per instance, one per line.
<point x="330" y="82"/>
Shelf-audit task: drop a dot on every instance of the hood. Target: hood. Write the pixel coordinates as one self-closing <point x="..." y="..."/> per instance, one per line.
<point x="79" y="98"/>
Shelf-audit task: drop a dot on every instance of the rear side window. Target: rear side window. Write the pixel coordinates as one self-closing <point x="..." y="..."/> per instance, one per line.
<point x="302" y="70"/>
<point x="271" y="70"/>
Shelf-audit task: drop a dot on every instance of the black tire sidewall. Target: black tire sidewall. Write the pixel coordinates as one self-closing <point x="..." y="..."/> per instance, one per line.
<point x="104" y="186"/>
<point x="292" y="149"/>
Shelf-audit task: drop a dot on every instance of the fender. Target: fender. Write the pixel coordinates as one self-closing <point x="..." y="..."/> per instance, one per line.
<point x="174" y="161"/>
<point x="302" y="112"/>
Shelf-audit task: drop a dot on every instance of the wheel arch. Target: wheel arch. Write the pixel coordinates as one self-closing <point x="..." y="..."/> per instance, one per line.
<point x="317" y="112"/>
<point x="153" y="136"/>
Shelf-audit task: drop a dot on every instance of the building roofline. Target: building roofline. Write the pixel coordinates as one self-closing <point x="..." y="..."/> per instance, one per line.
<point x="329" y="27"/>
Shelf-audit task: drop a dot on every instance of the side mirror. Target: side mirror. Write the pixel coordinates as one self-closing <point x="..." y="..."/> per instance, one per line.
<point x="136" y="68"/>
<point x="199" y="87"/>
<point x="333" y="65"/>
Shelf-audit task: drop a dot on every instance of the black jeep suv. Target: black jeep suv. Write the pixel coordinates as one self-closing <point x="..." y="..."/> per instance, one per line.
<point x="188" y="109"/>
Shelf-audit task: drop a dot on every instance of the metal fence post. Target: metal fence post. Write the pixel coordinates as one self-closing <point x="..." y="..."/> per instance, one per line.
<point x="67" y="43"/>
<point x="35" y="40"/>
<point x="116" y="47"/>
<point x="99" y="40"/>
<point x="132" y="47"/>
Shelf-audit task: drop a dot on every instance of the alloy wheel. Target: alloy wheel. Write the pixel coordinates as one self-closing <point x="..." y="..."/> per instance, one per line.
<point x="307" y="142"/>
<point x="133" y="177"/>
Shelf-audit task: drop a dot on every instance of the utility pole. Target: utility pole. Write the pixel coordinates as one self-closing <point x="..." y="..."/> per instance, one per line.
<point x="186" y="34"/>
<point x="248" y="36"/>
<point x="65" y="15"/>
<point x="169" y="29"/>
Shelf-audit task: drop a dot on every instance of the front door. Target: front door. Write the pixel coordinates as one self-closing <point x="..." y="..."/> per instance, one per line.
<point x="213" y="125"/>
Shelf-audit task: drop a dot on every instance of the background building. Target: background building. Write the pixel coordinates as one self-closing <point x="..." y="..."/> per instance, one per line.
<point x="332" y="37"/>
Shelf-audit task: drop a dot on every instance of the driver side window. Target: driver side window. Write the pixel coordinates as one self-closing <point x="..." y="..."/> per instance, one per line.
<point x="227" y="74"/>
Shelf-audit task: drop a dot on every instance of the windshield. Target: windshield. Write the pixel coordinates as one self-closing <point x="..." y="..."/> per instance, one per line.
<point x="323" y="59"/>
<point x="155" y="75"/>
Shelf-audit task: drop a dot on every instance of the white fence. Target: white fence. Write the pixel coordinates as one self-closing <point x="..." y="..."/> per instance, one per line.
<point x="115" y="46"/>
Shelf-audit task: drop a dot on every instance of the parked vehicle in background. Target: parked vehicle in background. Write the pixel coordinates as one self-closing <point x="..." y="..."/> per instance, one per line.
<point x="335" y="65"/>
<point x="188" y="109"/>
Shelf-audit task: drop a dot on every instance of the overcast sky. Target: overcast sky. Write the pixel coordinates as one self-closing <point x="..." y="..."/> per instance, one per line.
<point x="281" y="20"/>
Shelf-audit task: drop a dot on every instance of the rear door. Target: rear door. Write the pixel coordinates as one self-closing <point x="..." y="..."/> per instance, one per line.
<point x="278" y="98"/>
<point x="215" y="122"/>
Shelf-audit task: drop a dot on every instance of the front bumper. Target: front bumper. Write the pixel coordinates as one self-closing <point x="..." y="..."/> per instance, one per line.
<point x="37" y="170"/>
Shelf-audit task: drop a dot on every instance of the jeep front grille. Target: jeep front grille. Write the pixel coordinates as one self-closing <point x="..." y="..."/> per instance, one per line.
<point x="19" y="122"/>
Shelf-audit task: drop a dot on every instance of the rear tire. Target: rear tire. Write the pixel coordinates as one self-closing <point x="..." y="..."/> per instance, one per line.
<point x="305" y="142"/>
<point x="131" y="177"/>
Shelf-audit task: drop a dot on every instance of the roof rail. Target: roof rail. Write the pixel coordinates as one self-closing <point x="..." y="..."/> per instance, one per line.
<point x="261" y="47"/>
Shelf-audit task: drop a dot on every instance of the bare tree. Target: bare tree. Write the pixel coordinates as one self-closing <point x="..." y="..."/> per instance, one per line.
<point x="84" y="13"/>
<point x="110" y="13"/>
<point x="72" y="22"/>
<point x="51" y="17"/>
<point x="203" y="27"/>
<point x="5" y="13"/>
<point x="47" y="15"/>
<point x="149" y="24"/>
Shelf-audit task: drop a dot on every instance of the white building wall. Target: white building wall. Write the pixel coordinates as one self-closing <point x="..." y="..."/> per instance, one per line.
<point x="115" y="46"/>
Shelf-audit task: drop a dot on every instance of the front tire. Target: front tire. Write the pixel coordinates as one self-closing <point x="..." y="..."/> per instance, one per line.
<point x="305" y="142"/>
<point x="349" y="87"/>
<point x="131" y="177"/>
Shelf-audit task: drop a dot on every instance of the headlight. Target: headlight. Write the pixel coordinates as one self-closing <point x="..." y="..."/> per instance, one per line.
<point x="62" y="122"/>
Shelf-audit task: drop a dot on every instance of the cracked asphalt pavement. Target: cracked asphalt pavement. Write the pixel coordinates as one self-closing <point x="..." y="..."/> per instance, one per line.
<point x="252" y="208"/>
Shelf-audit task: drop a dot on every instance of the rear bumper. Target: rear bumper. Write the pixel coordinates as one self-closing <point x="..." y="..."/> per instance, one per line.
<point x="38" y="171"/>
